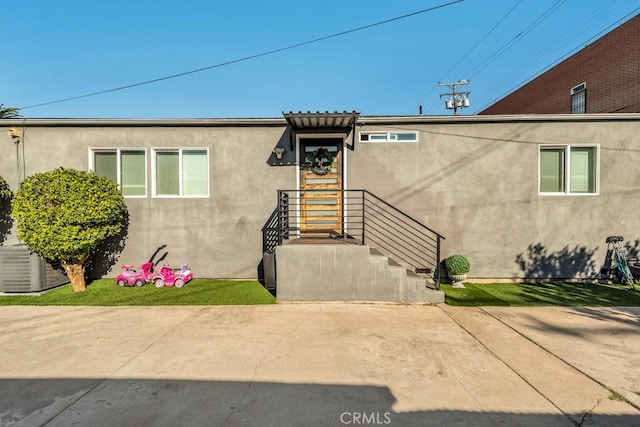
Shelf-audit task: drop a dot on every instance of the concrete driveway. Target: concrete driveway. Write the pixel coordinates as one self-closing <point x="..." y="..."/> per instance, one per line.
<point x="319" y="365"/>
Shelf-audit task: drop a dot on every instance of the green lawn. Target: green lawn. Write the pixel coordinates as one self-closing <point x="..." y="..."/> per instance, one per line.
<point x="196" y="292"/>
<point x="249" y="292"/>
<point x="541" y="294"/>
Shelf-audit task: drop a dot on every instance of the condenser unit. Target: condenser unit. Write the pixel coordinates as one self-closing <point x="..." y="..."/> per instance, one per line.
<point x="22" y="270"/>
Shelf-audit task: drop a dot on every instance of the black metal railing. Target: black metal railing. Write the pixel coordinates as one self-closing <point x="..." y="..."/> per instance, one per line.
<point x="270" y="234"/>
<point x="355" y="216"/>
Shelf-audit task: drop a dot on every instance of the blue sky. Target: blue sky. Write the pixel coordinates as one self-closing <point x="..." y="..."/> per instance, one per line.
<point x="68" y="48"/>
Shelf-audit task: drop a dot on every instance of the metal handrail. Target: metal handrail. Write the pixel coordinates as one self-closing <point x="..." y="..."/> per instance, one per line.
<point x="270" y="233"/>
<point x="359" y="217"/>
<point x="402" y="213"/>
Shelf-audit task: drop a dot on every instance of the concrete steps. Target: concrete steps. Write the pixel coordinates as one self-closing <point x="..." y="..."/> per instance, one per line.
<point x="340" y="272"/>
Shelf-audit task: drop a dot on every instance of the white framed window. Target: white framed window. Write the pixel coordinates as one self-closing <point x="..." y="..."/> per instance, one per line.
<point x="180" y="172"/>
<point x="395" y="136"/>
<point x="127" y="167"/>
<point x="568" y="169"/>
<point x="579" y="99"/>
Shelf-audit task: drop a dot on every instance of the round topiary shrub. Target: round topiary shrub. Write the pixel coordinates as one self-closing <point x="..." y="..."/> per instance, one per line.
<point x="66" y="215"/>
<point x="457" y="265"/>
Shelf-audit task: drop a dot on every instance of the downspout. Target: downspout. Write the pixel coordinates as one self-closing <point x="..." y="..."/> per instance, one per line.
<point x="16" y="135"/>
<point x="353" y="136"/>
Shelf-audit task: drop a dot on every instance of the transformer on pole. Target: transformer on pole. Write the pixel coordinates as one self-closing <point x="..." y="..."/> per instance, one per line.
<point x="456" y="100"/>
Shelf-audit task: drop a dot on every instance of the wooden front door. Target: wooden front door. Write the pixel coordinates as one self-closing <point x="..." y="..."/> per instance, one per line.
<point x="320" y="185"/>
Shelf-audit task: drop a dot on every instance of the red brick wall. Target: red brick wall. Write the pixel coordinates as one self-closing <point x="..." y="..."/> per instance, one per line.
<point x="610" y="66"/>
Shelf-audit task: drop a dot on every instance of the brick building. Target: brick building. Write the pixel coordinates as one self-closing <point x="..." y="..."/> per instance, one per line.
<point x="603" y="77"/>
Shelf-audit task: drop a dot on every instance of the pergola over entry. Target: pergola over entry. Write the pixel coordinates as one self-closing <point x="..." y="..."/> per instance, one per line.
<point x="335" y="122"/>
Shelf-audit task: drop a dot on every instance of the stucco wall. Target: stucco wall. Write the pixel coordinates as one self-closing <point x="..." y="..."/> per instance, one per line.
<point x="472" y="179"/>
<point x="476" y="184"/>
<point x="219" y="236"/>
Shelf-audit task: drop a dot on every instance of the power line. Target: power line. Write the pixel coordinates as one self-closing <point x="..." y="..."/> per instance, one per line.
<point x="618" y="22"/>
<point x="547" y="51"/>
<point x="246" y="58"/>
<point x="516" y="39"/>
<point x="482" y="39"/>
<point x="495" y="55"/>
<point x="473" y="48"/>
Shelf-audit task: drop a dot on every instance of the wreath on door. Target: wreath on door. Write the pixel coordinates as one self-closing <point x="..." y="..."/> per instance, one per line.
<point x="320" y="161"/>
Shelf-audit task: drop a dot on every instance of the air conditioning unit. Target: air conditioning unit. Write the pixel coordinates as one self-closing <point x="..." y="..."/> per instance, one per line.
<point x="22" y="270"/>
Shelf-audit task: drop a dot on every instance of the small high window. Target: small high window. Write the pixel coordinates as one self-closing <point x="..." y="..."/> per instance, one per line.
<point x="579" y="99"/>
<point x="388" y="136"/>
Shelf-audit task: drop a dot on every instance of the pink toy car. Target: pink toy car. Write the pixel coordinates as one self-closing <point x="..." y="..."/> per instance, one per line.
<point x="170" y="277"/>
<point x="138" y="277"/>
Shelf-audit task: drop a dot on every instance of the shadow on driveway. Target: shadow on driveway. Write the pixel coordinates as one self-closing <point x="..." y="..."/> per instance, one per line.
<point x="118" y="402"/>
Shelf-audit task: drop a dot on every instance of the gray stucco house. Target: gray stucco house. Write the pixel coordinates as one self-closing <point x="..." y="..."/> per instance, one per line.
<point x="530" y="196"/>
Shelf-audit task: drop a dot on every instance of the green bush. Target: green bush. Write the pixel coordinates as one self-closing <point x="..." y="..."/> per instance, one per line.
<point x="457" y="264"/>
<point x="66" y="215"/>
<point x="5" y="192"/>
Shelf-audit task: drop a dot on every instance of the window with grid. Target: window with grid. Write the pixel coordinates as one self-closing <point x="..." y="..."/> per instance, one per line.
<point x="579" y="99"/>
<point x="181" y="172"/>
<point x="568" y="169"/>
<point x="126" y="167"/>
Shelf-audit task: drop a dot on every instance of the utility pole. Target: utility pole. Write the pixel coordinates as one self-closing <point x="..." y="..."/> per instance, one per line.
<point x="456" y="100"/>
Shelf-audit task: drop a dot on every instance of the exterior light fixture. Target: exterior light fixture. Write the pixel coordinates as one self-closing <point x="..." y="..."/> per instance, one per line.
<point x="15" y="134"/>
<point x="278" y="151"/>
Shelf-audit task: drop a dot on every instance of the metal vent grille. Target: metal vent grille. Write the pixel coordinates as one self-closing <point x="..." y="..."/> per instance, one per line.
<point x="15" y="273"/>
<point x="24" y="271"/>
